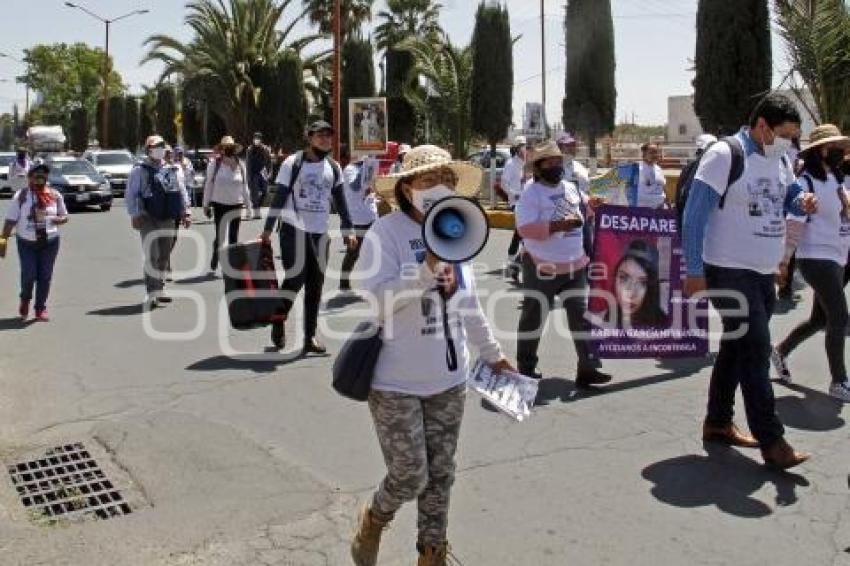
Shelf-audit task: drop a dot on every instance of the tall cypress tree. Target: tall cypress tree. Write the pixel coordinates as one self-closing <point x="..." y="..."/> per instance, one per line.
<point x="492" y="73"/>
<point x="99" y="122"/>
<point x="116" y="121"/>
<point x="358" y="76"/>
<point x="401" y="114"/>
<point x="292" y="105"/>
<point x="78" y="136"/>
<point x="590" y="104"/>
<point x="146" y="126"/>
<point x="734" y="61"/>
<point x="166" y="111"/>
<point x="131" y="121"/>
<point x="193" y="126"/>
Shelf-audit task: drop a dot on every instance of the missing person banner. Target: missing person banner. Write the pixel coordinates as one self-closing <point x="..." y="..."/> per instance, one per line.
<point x="367" y="119"/>
<point x="636" y="308"/>
<point x="534" y="123"/>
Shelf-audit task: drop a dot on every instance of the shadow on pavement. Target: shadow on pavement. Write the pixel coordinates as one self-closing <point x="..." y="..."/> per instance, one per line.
<point x="123" y="310"/>
<point x="687" y="366"/>
<point x="129" y="283"/>
<point x="205" y="278"/>
<point x="724" y="478"/>
<point x="14" y="323"/>
<point x="257" y="364"/>
<point x="339" y="302"/>
<point x="816" y="411"/>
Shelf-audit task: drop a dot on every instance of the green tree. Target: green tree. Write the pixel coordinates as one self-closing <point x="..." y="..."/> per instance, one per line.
<point x="590" y="103"/>
<point x="216" y="128"/>
<point x="233" y="41"/>
<point x="354" y="14"/>
<point x="492" y="73"/>
<point x="358" y="76"/>
<point x="116" y="122"/>
<point x="283" y="103"/>
<point x="817" y="39"/>
<point x="7" y="132"/>
<point x="68" y="77"/>
<point x="734" y="62"/>
<point x="448" y="71"/>
<point x="78" y="134"/>
<point x="166" y="111"/>
<point x="193" y="121"/>
<point x="17" y="128"/>
<point x="99" y="121"/>
<point x="131" y="122"/>
<point x="147" y="113"/>
<point x="408" y="18"/>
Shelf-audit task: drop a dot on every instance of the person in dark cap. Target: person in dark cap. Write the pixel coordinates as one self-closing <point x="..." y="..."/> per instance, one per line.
<point x="306" y="182"/>
<point x="36" y="211"/>
<point x="258" y="162"/>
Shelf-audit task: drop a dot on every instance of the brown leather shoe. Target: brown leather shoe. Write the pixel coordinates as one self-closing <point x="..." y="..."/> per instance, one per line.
<point x="367" y="539"/>
<point x="729" y="434"/>
<point x="781" y="456"/>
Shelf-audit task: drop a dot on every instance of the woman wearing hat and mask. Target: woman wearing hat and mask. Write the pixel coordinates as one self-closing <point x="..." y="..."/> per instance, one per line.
<point x="822" y="244"/>
<point x="550" y="220"/>
<point x="226" y="192"/>
<point x="429" y="312"/>
<point x="36" y="211"/>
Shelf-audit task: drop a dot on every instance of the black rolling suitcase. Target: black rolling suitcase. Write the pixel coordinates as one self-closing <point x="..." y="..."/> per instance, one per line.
<point x="250" y="285"/>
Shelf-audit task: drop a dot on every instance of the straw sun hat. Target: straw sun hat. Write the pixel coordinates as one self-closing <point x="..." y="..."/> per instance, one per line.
<point x="426" y="158"/>
<point x="824" y="134"/>
<point x="228" y="141"/>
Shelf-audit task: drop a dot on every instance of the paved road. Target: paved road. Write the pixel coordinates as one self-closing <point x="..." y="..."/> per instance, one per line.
<point x="247" y="461"/>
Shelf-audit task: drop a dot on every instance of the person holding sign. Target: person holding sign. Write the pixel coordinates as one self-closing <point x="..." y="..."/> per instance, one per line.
<point x="429" y="313"/>
<point x="734" y="239"/>
<point x="549" y="219"/>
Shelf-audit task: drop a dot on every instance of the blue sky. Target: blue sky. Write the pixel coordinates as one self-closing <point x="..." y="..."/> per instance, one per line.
<point x="654" y="40"/>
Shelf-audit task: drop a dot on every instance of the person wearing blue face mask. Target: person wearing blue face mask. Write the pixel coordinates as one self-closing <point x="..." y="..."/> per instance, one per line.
<point x="734" y="240"/>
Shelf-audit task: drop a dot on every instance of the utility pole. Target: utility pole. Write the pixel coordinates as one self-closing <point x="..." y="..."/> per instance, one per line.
<point x="543" y="63"/>
<point x="337" y="78"/>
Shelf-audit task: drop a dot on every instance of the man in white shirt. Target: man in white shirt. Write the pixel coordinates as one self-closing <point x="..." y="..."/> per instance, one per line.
<point x="650" y="190"/>
<point x="513" y="181"/>
<point x="18" y="170"/>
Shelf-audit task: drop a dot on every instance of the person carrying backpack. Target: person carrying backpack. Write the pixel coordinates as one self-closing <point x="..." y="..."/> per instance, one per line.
<point x="225" y="194"/>
<point x="155" y="198"/>
<point x="258" y="161"/>
<point x="311" y="178"/>
<point x="36" y="211"/>
<point x="733" y="240"/>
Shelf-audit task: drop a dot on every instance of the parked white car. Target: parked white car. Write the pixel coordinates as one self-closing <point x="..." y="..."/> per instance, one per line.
<point x="5" y="185"/>
<point x="115" y="165"/>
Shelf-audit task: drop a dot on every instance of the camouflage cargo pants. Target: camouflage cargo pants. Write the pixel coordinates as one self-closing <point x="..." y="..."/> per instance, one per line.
<point x="418" y="437"/>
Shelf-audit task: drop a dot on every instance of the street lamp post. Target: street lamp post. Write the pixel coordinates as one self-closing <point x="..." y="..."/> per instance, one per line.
<point x="26" y="84"/>
<point x="107" y="22"/>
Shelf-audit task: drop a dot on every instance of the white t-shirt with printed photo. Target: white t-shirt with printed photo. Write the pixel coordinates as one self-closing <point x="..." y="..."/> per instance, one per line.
<point x="749" y="231"/>
<point x="650" y="191"/>
<point x="29" y="224"/>
<point x="311" y="194"/>
<point x="826" y="234"/>
<point x="542" y="203"/>
<point x="362" y="206"/>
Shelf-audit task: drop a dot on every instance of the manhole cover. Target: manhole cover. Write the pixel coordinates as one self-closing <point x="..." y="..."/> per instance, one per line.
<point x="66" y="482"/>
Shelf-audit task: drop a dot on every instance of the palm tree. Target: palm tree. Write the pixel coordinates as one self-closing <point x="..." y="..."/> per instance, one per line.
<point x="233" y="42"/>
<point x="354" y="14"/>
<point x="448" y="94"/>
<point x="817" y="36"/>
<point x="408" y="18"/>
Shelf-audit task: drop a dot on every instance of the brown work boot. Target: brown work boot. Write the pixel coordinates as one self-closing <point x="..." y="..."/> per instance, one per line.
<point x="367" y="539"/>
<point x="781" y="456"/>
<point x="729" y="434"/>
<point x="440" y="555"/>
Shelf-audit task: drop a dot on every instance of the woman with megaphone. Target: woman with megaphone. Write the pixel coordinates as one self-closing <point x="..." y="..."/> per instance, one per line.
<point x="550" y="216"/>
<point x="429" y="311"/>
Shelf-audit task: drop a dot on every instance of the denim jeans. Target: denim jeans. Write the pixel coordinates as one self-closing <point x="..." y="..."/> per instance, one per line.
<point x="745" y="359"/>
<point x="37" y="269"/>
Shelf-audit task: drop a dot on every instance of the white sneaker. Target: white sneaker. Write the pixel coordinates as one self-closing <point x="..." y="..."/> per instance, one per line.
<point x="840" y="391"/>
<point x="782" y="371"/>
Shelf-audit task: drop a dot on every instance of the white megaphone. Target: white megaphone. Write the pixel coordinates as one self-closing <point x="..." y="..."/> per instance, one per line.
<point x="455" y="229"/>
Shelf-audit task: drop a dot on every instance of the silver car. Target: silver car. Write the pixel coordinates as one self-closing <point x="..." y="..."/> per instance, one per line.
<point x="115" y="165"/>
<point x="5" y="185"/>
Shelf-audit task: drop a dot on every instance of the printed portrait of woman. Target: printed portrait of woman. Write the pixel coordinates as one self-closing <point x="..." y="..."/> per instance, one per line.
<point x="637" y="289"/>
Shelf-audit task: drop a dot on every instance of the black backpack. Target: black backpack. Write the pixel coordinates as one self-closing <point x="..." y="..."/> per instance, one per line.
<point x="686" y="179"/>
<point x="158" y="202"/>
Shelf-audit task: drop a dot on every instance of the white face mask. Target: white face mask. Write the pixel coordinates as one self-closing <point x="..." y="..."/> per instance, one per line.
<point x="158" y="153"/>
<point x="778" y="148"/>
<point x="424" y="200"/>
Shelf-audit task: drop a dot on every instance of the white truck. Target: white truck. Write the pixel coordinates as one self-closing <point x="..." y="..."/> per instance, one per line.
<point x="45" y="139"/>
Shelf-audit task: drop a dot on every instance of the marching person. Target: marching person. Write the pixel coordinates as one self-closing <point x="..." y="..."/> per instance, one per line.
<point x="577" y="174"/>
<point x="399" y="161"/>
<point x="311" y="178"/>
<point x="734" y="239"/>
<point x="363" y="210"/>
<point x="513" y="181"/>
<point x="155" y="198"/>
<point x="225" y="195"/>
<point x="419" y="389"/>
<point x="258" y="161"/>
<point x="549" y="219"/>
<point x="822" y="244"/>
<point x="36" y="211"/>
<point x="18" y="170"/>
<point x="651" y="181"/>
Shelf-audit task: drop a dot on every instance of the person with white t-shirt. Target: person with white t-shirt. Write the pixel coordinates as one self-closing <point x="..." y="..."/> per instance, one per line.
<point x="311" y="178"/>
<point x="550" y="219"/>
<point x="18" y="170"/>
<point x="578" y="175"/>
<point x="651" y="182"/>
<point x="36" y="212"/>
<point x="734" y="239"/>
<point x="822" y="244"/>
<point x="513" y="181"/>
<point x="363" y="210"/>
<point x="430" y="313"/>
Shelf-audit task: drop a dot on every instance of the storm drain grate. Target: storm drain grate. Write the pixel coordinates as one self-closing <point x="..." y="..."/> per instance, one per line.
<point x="67" y="482"/>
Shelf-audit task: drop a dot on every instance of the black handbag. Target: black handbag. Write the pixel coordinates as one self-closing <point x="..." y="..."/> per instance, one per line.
<point x="354" y="367"/>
